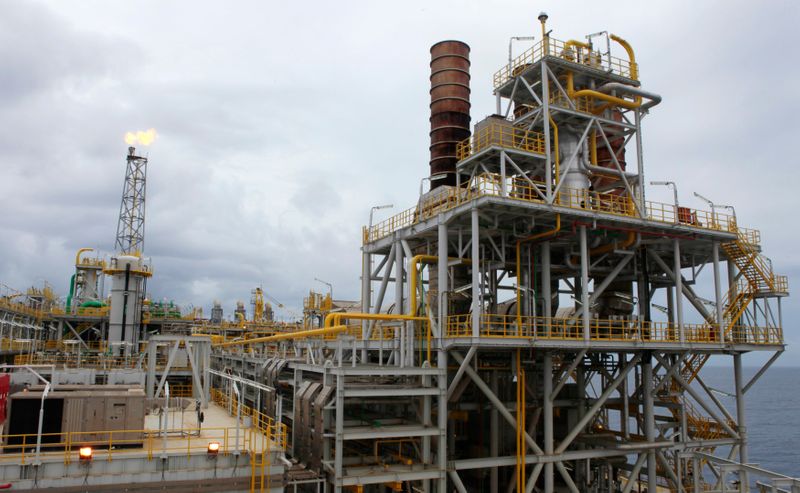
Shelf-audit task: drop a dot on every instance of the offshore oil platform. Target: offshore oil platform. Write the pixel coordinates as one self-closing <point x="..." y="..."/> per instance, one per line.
<point x="505" y="339"/>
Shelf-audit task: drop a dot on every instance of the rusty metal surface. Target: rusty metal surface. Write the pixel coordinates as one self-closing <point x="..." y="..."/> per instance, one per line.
<point x="450" y="107"/>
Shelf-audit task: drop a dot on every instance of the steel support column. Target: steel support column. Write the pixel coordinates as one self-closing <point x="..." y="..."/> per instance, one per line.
<point x="678" y="292"/>
<point x="718" y="290"/>
<point x="476" y="275"/>
<point x="547" y="404"/>
<point x="740" y="417"/>
<point x="585" y="285"/>
<point x="441" y="414"/>
<point x="649" y="419"/>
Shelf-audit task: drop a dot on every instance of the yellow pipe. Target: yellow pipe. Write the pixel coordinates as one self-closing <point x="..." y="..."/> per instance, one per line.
<point x="335" y="318"/>
<point x="545" y="37"/>
<point x="555" y="150"/>
<point x="599" y="95"/>
<point x="631" y="56"/>
<point x="544" y="234"/>
<point x="78" y="255"/>
<point x="609" y="247"/>
<point x="415" y="261"/>
<point x="287" y="335"/>
<point x="593" y="148"/>
<point x="428" y="259"/>
<point x="577" y="44"/>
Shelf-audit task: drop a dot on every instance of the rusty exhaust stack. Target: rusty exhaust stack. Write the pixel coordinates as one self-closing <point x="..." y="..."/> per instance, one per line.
<point x="450" y="120"/>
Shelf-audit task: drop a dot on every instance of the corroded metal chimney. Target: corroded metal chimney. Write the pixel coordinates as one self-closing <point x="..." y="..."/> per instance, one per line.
<point x="450" y="120"/>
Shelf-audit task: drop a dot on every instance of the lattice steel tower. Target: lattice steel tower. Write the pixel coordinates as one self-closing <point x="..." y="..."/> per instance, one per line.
<point x="130" y="228"/>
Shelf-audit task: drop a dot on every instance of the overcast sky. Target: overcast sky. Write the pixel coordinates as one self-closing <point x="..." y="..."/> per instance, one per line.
<point x="281" y="123"/>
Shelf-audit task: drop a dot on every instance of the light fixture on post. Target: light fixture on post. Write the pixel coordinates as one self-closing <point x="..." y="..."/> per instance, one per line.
<point x="713" y="209"/>
<point x="377" y="208"/>
<point x="330" y="287"/>
<point x="674" y="187"/>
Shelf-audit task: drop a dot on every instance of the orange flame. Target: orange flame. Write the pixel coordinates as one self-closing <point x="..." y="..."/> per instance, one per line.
<point x="143" y="137"/>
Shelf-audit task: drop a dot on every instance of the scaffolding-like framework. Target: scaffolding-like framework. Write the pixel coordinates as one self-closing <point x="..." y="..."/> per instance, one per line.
<point x="130" y="227"/>
<point x="482" y="376"/>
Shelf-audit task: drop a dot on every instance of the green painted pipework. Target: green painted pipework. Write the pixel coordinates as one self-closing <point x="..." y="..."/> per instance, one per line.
<point x="71" y="292"/>
<point x="92" y="304"/>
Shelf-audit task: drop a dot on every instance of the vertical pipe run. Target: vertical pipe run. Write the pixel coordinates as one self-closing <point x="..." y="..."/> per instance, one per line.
<point x="718" y="291"/>
<point x="640" y="161"/>
<point x="494" y="431"/>
<point x="476" y="275"/>
<point x="585" y="284"/>
<point x="366" y="301"/>
<point x="740" y="417"/>
<point x="398" y="300"/>
<point x="441" y="413"/>
<point x="649" y="418"/>
<point x="442" y="281"/>
<point x="546" y="282"/>
<point x="547" y="401"/>
<point x="548" y="163"/>
<point x="679" y="292"/>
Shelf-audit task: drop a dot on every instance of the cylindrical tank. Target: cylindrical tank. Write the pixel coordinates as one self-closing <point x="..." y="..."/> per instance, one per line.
<point x="127" y="291"/>
<point x="216" y="312"/>
<point x="239" y="313"/>
<point x="576" y="183"/>
<point x="450" y="119"/>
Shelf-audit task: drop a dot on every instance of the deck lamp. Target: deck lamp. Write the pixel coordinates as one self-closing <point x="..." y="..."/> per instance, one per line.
<point x="85" y="454"/>
<point x="213" y="449"/>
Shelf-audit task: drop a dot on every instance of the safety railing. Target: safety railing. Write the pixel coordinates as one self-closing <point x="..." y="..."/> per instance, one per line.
<point x="21" y="309"/>
<point x="181" y="390"/>
<point x="557" y="48"/>
<point x="581" y="103"/>
<point x="87" y="360"/>
<point x="749" y="236"/>
<point x="115" y="444"/>
<point x="501" y="135"/>
<point x="274" y="431"/>
<point x="7" y="344"/>
<point x="72" y="344"/>
<point x="516" y="188"/>
<point x="507" y="327"/>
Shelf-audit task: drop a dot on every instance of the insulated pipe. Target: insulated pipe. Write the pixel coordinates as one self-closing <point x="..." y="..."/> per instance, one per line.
<point x="631" y="55"/>
<point x="572" y="93"/>
<point x="600" y="170"/>
<point x="556" y="150"/>
<point x="619" y="87"/>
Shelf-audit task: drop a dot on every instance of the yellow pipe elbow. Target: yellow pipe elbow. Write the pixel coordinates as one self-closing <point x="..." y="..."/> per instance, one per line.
<point x="631" y="105"/>
<point x="572" y="43"/>
<point x="80" y="251"/>
<point x="631" y="56"/>
<point x="611" y="100"/>
<point x="630" y="240"/>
